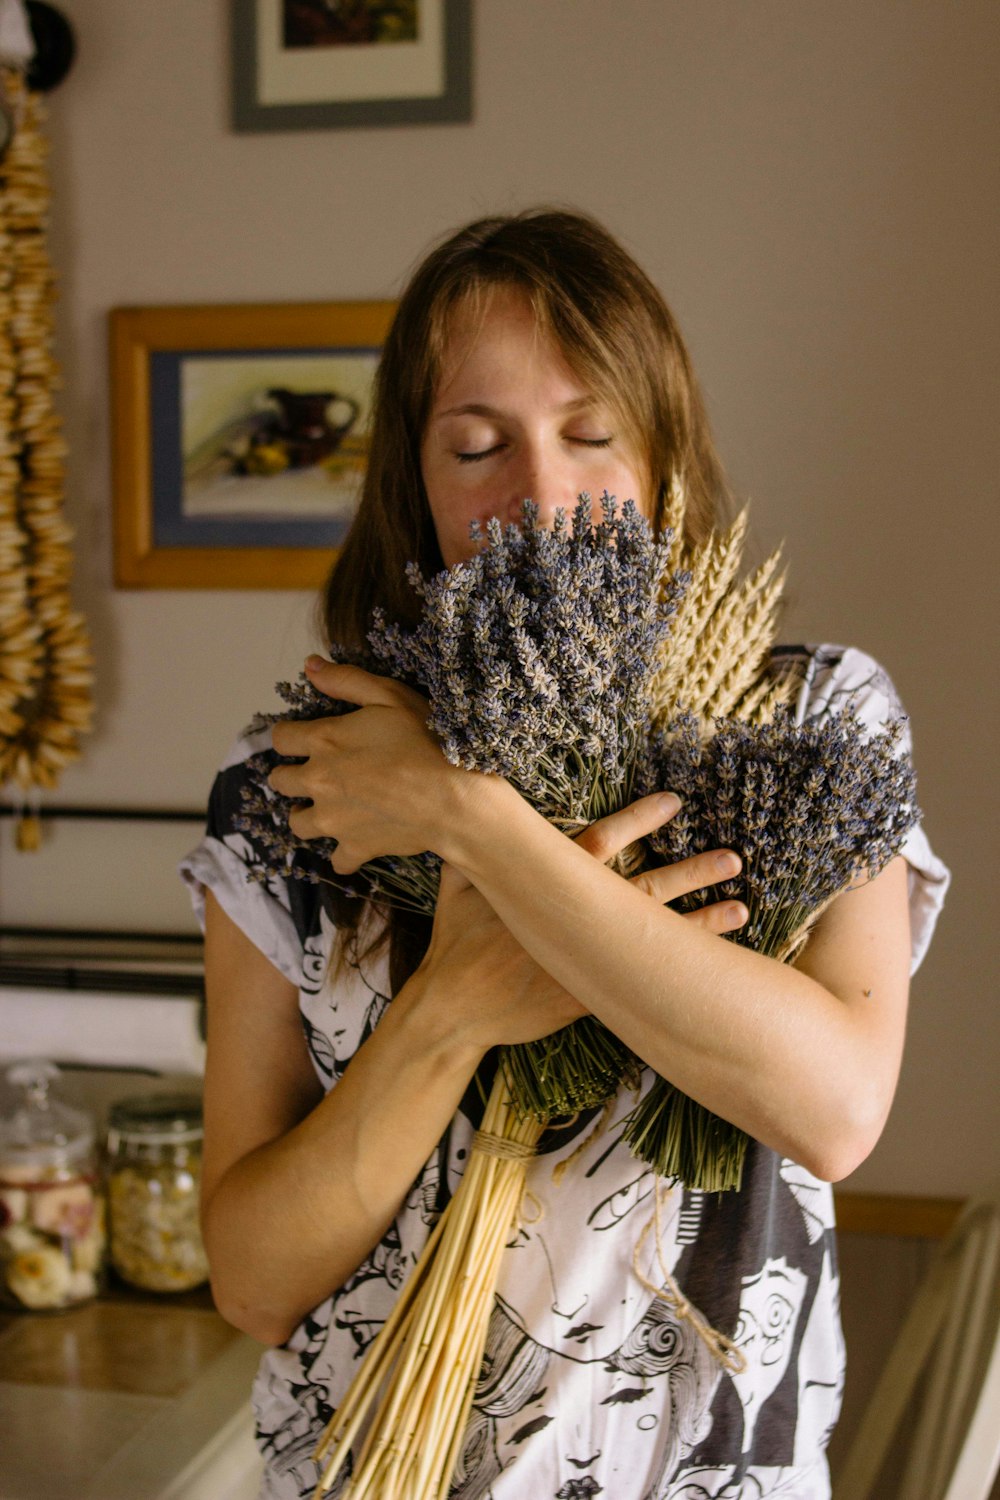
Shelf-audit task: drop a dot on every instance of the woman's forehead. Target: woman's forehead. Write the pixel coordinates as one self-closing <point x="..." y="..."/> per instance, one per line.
<point x="484" y="311"/>
<point x="499" y="328"/>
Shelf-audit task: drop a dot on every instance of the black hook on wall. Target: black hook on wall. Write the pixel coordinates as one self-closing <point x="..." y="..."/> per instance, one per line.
<point x="55" y="45"/>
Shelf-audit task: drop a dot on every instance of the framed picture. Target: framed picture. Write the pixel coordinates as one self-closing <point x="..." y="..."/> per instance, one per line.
<point x="240" y="438"/>
<point x="321" y="64"/>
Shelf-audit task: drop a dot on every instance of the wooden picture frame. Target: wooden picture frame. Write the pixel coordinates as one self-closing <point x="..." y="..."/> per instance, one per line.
<point x="299" y="65"/>
<point x="239" y="440"/>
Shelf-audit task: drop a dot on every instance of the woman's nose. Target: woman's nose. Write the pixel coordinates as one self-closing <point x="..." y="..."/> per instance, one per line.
<point x="544" y="478"/>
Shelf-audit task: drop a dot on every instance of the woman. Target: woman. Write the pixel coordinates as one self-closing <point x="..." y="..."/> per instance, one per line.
<point x="531" y="357"/>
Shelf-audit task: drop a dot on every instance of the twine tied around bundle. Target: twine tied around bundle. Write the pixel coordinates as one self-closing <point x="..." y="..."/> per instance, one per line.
<point x="719" y="1345"/>
<point x="501" y="1147"/>
<point x="504" y="1149"/>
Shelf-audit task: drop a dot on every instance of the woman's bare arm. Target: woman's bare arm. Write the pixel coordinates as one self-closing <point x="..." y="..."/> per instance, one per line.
<point x="805" y="1058"/>
<point x="298" y="1187"/>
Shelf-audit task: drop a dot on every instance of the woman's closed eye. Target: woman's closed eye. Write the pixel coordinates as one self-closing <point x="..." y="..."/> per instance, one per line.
<point x="477" y="455"/>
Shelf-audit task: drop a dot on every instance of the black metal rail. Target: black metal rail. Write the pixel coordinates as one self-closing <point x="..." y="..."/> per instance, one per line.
<point x="47" y="811"/>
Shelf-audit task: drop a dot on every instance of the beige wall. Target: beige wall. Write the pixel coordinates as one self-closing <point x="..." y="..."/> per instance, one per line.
<point x="812" y="185"/>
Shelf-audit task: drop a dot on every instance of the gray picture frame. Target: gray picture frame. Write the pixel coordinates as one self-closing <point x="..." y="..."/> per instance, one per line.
<point x="453" y="104"/>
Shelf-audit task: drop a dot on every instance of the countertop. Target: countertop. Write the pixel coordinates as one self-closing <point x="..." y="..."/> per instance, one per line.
<point x="129" y="1397"/>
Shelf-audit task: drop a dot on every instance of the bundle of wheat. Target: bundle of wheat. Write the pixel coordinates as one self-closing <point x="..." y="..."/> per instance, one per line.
<point x="425" y="1362"/>
<point x="717" y="661"/>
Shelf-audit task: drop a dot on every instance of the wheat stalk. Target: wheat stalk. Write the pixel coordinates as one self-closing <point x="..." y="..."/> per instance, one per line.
<point x="422" y="1367"/>
<point x="735" y="642"/>
<point x="716" y="659"/>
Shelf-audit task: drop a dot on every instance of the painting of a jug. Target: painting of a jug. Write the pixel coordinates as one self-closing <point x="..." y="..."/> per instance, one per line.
<point x="276" y="436"/>
<point x="244" y="437"/>
<point x="308" y="424"/>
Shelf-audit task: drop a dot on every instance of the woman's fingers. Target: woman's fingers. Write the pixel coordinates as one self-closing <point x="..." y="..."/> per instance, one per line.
<point x="349" y="684"/>
<point x="668" y="882"/>
<point x="376" y="778"/>
<point x="355" y="685"/>
<point x="305" y="824"/>
<point x="609" y="836"/>
<point x="346" y="685"/>
<point x="284" y="779"/>
<point x="301" y="737"/>
<point x="719" y="916"/>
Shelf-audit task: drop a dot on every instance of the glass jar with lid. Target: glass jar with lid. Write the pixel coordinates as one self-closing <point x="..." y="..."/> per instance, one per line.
<point x="51" y="1209"/>
<point x="154" y="1182"/>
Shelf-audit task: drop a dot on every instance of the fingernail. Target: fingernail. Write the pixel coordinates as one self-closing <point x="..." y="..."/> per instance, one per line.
<point x="313" y="663"/>
<point x="668" y="804"/>
<point x="736" y="914"/>
<point x="728" y="863"/>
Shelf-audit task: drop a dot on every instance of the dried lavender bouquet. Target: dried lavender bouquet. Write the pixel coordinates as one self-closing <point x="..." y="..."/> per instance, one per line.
<point x="809" y="807"/>
<point x="535" y="657"/>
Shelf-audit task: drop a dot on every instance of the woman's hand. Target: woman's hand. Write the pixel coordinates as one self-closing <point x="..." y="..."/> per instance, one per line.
<point x="477" y="979"/>
<point x="609" y="836"/>
<point x="377" y="779"/>
<point x="491" y="992"/>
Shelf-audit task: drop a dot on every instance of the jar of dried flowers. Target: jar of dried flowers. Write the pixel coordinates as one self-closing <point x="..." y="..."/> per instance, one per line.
<point x="154" y="1182"/>
<point x="51" y="1208"/>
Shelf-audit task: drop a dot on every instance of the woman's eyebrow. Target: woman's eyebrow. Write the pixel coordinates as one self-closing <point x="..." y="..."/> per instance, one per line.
<point x="479" y="409"/>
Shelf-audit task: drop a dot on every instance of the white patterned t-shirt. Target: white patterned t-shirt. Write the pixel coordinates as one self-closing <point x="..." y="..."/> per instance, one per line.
<point x="589" y="1384"/>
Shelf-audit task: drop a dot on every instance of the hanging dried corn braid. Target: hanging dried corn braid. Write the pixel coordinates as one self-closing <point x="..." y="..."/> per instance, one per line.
<point x="45" y="659"/>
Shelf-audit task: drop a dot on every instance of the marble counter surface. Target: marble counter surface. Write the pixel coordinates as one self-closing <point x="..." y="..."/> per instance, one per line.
<point x="119" y="1399"/>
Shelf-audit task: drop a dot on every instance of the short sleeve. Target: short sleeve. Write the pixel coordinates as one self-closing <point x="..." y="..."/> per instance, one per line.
<point x="277" y="916"/>
<point x="835" y="678"/>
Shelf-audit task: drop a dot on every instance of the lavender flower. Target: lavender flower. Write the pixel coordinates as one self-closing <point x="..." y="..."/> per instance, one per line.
<point x="809" y="808"/>
<point x="535" y="656"/>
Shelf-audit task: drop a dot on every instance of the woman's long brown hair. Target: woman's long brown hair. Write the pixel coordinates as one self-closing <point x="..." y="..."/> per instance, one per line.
<point x="617" y="336"/>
